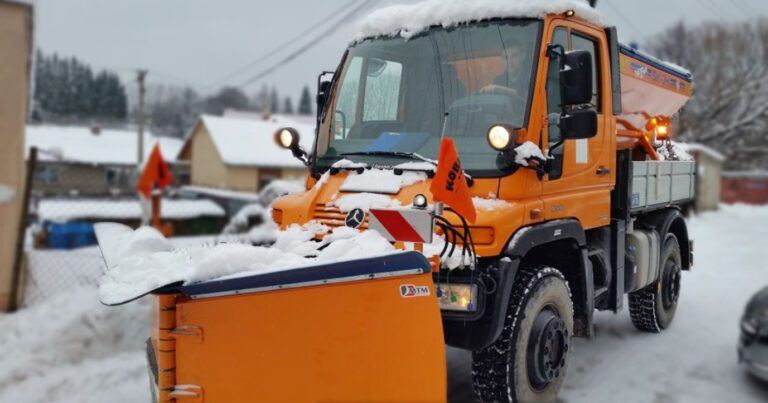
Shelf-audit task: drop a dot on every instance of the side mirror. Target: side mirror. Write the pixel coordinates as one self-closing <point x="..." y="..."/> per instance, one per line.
<point x="579" y="124"/>
<point x="576" y="77"/>
<point x="323" y="91"/>
<point x="288" y="138"/>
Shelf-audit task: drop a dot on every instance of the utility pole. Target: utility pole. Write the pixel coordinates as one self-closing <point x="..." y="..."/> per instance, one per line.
<point x="141" y="75"/>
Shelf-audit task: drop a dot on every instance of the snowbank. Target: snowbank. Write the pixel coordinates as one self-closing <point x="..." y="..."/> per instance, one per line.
<point x="409" y="20"/>
<point x="73" y="349"/>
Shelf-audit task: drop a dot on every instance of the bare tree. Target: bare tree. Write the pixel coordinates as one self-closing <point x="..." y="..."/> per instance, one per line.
<point x="729" y="107"/>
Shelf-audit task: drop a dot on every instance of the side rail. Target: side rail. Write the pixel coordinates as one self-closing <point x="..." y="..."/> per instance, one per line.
<point x="656" y="184"/>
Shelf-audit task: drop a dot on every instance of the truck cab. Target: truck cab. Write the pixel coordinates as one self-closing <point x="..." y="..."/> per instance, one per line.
<point x="554" y="151"/>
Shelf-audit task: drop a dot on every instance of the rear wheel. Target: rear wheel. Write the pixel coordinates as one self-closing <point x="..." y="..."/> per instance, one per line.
<point x="653" y="308"/>
<point x="529" y="360"/>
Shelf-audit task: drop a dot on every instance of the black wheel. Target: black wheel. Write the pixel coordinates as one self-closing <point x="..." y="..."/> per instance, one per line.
<point x="653" y="308"/>
<point x="529" y="360"/>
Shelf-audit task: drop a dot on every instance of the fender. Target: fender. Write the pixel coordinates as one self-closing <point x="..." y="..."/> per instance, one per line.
<point x="477" y="334"/>
<point x="672" y="220"/>
<point x="526" y="238"/>
<point x="581" y="277"/>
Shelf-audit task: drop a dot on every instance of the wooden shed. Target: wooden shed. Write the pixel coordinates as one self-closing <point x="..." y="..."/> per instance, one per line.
<point x="709" y="165"/>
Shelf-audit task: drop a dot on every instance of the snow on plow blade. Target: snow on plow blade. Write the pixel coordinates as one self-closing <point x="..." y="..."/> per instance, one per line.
<point x="360" y="330"/>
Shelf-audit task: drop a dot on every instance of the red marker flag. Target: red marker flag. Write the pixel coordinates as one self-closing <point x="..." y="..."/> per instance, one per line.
<point x="450" y="185"/>
<point x="156" y="173"/>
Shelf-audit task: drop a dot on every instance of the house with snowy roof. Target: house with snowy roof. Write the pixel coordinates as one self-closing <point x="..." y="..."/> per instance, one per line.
<point x="84" y="161"/>
<point x="239" y="153"/>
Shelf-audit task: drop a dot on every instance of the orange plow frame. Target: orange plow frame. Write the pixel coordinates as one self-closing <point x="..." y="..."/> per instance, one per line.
<point x="350" y="340"/>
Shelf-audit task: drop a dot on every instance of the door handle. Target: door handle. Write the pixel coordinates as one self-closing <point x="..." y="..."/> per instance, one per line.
<point x="603" y="171"/>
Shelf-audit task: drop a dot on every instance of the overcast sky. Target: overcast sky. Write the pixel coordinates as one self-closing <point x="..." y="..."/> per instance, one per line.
<point x="199" y="42"/>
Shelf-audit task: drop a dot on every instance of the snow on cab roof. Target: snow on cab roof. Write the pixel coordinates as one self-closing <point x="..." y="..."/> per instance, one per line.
<point x="109" y="146"/>
<point x="409" y="20"/>
<point x="250" y="142"/>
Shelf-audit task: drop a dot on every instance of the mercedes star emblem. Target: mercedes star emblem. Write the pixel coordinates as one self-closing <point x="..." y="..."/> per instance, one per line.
<point x="355" y="218"/>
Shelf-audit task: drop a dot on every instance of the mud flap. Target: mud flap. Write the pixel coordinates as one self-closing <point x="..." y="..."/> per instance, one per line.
<point x="365" y="330"/>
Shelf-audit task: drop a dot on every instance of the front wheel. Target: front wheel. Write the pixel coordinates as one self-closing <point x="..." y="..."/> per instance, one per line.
<point x="653" y="308"/>
<point x="529" y="360"/>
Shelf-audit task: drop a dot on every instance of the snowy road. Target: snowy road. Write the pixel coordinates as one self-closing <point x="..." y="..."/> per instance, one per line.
<point x="72" y="349"/>
<point x="695" y="359"/>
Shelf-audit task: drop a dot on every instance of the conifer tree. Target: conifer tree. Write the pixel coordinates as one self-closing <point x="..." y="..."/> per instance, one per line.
<point x="305" y="103"/>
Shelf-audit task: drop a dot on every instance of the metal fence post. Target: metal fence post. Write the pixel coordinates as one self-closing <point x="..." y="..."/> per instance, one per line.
<point x="18" y="260"/>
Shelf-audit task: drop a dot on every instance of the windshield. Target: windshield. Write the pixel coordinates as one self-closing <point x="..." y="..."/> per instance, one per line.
<point x="397" y="96"/>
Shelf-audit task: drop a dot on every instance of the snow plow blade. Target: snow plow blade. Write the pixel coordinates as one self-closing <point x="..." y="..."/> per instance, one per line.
<point x="363" y="330"/>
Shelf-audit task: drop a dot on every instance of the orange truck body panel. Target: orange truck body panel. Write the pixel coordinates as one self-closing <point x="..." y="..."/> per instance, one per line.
<point x="345" y="342"/>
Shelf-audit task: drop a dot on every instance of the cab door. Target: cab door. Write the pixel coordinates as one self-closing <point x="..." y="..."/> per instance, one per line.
<point x="581" y="178"/>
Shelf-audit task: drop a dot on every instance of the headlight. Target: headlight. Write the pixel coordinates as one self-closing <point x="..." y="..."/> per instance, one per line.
<point x="420" y="201"/>
<point x="500" y="137"/>
<point x="287" y="137"/>
<point x="458" y="297"/>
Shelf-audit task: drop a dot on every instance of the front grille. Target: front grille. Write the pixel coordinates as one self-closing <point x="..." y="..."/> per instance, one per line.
<point x="333" y="217"/>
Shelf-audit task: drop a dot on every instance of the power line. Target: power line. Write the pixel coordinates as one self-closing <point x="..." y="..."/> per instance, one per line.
<point x="315" y="40"/>
<point x="133" y="70"/>
<point x="748" y="7"/>
<point x="282" y="46"/>
<point x="748" y="12"/>
<point x="629" y="22"/>
<point x="173" y="77"/>
<point x="719" y="12"/>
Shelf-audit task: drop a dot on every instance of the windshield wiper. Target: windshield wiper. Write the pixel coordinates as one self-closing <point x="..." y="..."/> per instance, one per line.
<point x="400" y="154"/>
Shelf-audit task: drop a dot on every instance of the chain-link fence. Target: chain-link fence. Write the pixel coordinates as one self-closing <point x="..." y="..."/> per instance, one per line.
<point x="67" y="198"/>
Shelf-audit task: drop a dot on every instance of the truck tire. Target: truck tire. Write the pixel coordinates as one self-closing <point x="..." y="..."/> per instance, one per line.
<point x="527" y="363"/>
<point x="653" y="308"/>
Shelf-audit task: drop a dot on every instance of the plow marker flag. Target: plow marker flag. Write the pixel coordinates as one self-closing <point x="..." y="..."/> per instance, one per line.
<point x="450" y="185"/>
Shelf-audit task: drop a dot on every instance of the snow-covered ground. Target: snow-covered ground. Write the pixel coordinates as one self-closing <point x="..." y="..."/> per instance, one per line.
<point x="72" y="349"/>
<point x="695" y="359"/>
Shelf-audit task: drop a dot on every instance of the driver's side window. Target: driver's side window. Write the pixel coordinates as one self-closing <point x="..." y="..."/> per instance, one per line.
<point x="346" y="109"/>
<point x="554" y="108"/>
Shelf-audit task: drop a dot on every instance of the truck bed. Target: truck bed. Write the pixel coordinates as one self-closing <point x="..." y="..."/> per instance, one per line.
<point x="660" y="183"/>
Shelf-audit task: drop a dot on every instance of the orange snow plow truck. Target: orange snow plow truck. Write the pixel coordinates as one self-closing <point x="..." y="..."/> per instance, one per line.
<point x="578" y="194"/>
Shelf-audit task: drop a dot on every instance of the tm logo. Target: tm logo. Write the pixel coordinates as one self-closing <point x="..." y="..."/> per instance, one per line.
<point x="410" y="290"/>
